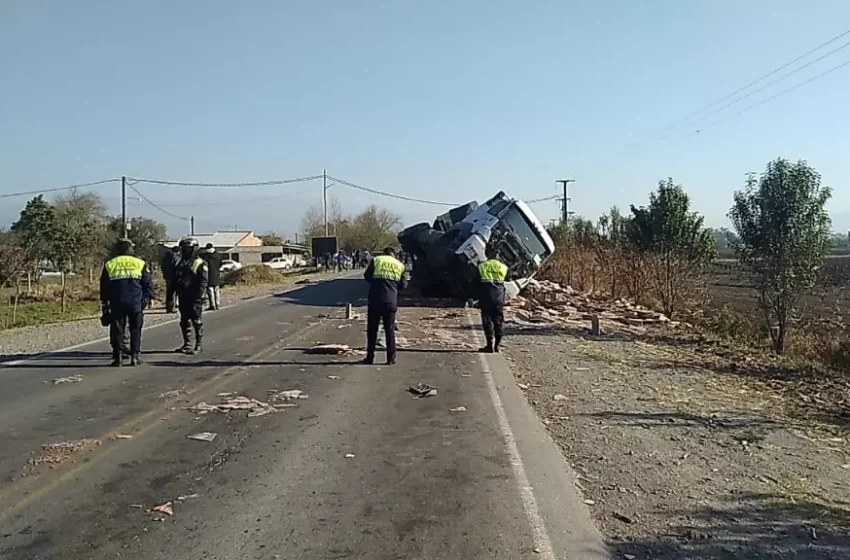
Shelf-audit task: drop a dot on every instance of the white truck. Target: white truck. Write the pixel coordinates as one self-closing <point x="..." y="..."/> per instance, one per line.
<point x="446" y="254"/>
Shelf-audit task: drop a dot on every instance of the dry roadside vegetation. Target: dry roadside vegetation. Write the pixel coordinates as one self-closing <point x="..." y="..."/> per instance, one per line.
<point x="720" y="434"/>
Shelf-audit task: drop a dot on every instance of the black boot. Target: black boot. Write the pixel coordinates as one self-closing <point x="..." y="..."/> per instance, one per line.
<point x="488" y="348"/>
<point x="116" y="358"/>
<point x="187" y="340"/>
<point x="497" y="347"/>
<point x="199" y="339"/>
<point x="136" y="359"/>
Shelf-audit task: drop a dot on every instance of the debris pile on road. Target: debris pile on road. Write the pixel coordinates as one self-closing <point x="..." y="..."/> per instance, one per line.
<point x="55" y="453"/>
<point x="232" y="402"/>
<point x="69" y="379"/>
<point x="422" y="390"/>
<point x="203" y="436"/>
<point x="289" y="395"/>
<point x="334" y="350"/>
<point x="546" y="302"/>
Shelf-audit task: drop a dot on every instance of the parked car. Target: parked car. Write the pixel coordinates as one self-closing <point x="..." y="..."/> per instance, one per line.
<point x="230" y="266"/>
<point x="280" y="263"/>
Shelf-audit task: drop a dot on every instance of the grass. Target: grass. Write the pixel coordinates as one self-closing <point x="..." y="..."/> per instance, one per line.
<point x="46" y="312"/>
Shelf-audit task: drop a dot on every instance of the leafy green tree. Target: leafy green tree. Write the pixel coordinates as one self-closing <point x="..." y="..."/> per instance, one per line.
<point x="36" y="230"/>
<point x="784" y="232"/>
<point x="675" y="240"/>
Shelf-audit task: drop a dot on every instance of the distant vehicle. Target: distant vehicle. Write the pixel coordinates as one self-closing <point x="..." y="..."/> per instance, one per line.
<point x="230" y="266"/>
<point x="285" y="262"/>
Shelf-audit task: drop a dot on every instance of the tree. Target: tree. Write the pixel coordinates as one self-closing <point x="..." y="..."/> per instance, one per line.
<point x="674" y="238"/>
<point x="36" y="230"/>
<point x="145" y="234"/>
<point x="784" y="232"/>
<point x="272" y="239"/>
<point x="373" y="229"/>
<point x="313" y="222"/>
<point x="81" y="231"/>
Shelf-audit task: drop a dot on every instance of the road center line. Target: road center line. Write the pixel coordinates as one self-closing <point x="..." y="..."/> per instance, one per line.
<point x="542" y="542"/>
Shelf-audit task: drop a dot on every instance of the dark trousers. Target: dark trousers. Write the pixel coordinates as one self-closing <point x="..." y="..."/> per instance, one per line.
<point x="375" y="316"/>
<point x="169" y="295"/>
<point x="120" y="320"/>
<point x="191" y="317"/>
<point x="492" y="318"/>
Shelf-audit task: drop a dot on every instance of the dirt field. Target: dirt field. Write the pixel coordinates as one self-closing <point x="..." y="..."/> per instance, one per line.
<point x="684" y="454"/>
<point x="728" y="286"/>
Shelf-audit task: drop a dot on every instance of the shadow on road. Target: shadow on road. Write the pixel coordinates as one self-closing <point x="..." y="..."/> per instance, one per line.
<point x="755" y="525"/>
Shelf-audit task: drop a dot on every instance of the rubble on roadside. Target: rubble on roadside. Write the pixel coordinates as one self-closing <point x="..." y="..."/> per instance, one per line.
<point x="544" y="302"/>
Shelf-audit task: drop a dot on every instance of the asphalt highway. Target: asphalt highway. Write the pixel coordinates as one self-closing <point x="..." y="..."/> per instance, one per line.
<point x="359" y="469"/>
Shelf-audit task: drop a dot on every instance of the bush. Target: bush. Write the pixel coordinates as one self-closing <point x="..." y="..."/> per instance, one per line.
<point x="251" y="276"/>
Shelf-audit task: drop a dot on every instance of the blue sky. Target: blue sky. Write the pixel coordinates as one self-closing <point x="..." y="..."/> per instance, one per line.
<point x="444" y="100"/>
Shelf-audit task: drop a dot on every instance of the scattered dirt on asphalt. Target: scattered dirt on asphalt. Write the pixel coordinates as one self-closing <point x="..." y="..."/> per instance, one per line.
<point x="684" y="461"/>
<point x="56" y="453"/>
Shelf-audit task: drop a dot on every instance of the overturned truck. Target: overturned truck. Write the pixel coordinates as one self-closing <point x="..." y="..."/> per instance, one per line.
<point x="446" y="254"/>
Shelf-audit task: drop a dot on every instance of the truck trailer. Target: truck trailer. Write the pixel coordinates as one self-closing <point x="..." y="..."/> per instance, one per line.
<point x="446" y="254"/>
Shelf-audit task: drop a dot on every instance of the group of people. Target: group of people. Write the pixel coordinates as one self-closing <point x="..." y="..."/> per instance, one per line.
<point x="191" y="274"/>
<point x="126" y="290"/>
<point x="386" y="275"/>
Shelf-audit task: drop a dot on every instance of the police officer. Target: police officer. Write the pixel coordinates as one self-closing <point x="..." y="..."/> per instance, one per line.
<point x="169" y="264"/>
<point x="491" y="299"/>
<point x="191" y="281"/>
<point x="385" y="275"/>
<point x="126" y="290"/>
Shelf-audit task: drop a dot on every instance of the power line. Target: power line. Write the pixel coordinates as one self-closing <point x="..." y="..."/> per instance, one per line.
<point x="161" y="209"/>
<point x="771" y="98"/>
<point x="662" y="132"/>
<point x="390" y="195"/>
<point x="224" y="185"/>
<point x="767" y="85"/>
<point x="544" y="199"/>
<point x="57" y="189"/>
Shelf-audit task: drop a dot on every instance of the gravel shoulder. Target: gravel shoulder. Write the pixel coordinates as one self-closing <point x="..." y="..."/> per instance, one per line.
<point x="678" y="459"/>
<point x="22" y="343"/>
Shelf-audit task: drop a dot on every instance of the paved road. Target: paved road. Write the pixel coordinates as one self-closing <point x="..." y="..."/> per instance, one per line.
<point x="424" y="482"/>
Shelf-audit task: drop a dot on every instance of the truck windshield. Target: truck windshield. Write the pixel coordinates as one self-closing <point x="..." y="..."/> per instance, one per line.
<point x="525" y="231"/>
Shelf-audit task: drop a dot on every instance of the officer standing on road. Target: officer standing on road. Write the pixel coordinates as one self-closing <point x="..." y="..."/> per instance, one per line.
<point x="192" y="280"/>
<point x="169" y="265"/>
<point x="213" y="260"/>
<point x="385" y="275"/>
<point x="491" y="299"/>
<point x="126" y="290"/>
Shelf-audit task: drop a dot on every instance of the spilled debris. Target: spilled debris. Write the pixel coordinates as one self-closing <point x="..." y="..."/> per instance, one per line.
<point x="290" y="395"/>
<point x="422" y="390"/>
<point x="334" y="350"/>
<point x="69" y="379"/>
<point x="56" y="453"/>
<point x="166" y="509"/>
<point x="458" y="409"/>
<point x="350" y="455"/>
<point x="121" y="436"/>
<point x="252" y="407"/>
<point x="203" y="436"/>
<point x="171" y="394"/>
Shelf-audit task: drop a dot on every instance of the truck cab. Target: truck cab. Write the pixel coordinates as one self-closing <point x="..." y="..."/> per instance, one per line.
<point x="446" y="256"/>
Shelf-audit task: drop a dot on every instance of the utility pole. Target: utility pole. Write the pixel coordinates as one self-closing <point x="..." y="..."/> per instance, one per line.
<point x="192" y="225"/>
<point x="325" y="197"/>
<point x="565" y="210"/>
<point x="124" y="206"/>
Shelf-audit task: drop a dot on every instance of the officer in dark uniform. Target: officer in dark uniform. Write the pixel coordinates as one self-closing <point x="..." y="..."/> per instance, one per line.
<point x="385" y="275"/>
<point x="169" y="265"/>
<point x="491" y="299"/>
<point x="126" y="290"/>
<point x="192" y="279"/>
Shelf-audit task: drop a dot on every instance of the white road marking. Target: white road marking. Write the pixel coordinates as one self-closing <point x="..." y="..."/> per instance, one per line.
<point x="541" y="540"/>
